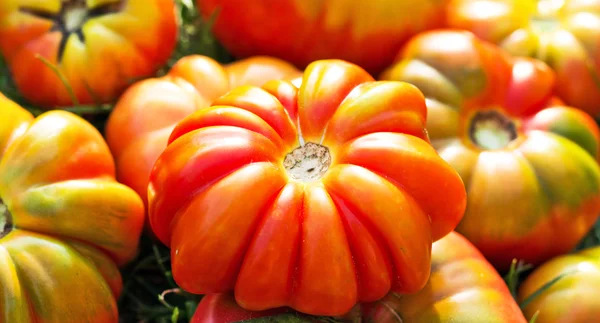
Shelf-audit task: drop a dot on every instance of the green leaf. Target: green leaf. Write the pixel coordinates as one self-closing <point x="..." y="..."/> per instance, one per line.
<point x="544" y="288"/>
<point x="175" y="315"/>
<point x="534" y="317"/>
<point x="512" y="278"/>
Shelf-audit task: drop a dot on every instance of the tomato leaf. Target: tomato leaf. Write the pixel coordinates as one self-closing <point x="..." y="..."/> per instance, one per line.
<point x="542" y="289"/>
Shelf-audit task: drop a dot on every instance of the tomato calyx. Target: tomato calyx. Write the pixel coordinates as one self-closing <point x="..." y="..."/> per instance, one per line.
<point x="73" y="14"/>
<point x="307" y="163"/>
<point x="492" y="129"/>
<point x="6" y="222"/>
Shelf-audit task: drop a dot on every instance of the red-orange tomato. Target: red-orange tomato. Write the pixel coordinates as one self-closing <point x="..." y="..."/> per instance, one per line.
<point x="462" y="287"/>
<point x="99" y="46"/>
<point x="367" y="33"/>
<point x="563" y="33"/>
<point x="142" y="120"/>
<point x="530" y="168"/>
<point x="280" y="193"/>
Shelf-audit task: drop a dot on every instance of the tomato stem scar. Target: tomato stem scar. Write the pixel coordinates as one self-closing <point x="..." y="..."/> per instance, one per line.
<point x="307" y="163"/>
<point x="491" y="129"/>
<point x="71" y="17"/>
<point x="6" y="223"/>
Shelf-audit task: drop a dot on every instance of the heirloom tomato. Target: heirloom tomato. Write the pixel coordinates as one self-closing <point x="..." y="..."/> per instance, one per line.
<point x="367" y="33"/>
<point x="463" y="287"/>
<point x="314" y="197"/>
<point x="563" y="33"/>
<point x="65" y="223"/>
<point x="529" y="166"/>
<point x="142" y="120"/>
<point x="98" y="46"/>
<point x="222" y="308"/>
<point x="574" y="292"/>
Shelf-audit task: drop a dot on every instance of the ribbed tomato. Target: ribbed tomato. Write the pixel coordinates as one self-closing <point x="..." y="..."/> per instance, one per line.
<point x="65" y="223"/>
<point x="99" y="46"/>
<point x="563" y="33"/>
<point x="367" y="33"/>
<point x="529" y="166"/>
<point x="140" y="124"/>
<point x="280" y="193"/>
<point x="463" y="287"/>
<point x="574" y="293"/>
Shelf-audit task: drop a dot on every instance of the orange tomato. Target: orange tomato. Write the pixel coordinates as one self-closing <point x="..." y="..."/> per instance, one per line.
<point x="65" y="223"/>
<point x="574" y="293"/>
<point x="142" y="120"/>
<point x="367" y="33"/>
<point x="99" y="46"/>
<point x="563" y="33"/>
<point x="530" y="167"/>
<point x="463" y="287"/>
<point x="280" y="193"/>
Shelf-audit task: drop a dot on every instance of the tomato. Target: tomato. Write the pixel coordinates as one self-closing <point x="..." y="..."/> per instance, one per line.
<point x="65" y="223"/>
<point x="529" y="166"/>
<point x="142" y="120"/>
<point x="463" y="287"/>
<point x="562" y="33"/>
<point x="573" y="298"/>
<point x="367" y="33"/>
<point x="279" y="192"/>
<point x="99" y="46"/>
<point x="222" y="308"/>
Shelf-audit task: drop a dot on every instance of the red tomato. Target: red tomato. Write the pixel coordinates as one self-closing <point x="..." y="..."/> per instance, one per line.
<point x="463" y="287"/>
<point x="367" y="33"/>
<point x="272" y="187"/>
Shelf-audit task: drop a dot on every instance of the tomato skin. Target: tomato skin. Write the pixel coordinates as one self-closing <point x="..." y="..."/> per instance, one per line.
<point x="138" y="129"/>
<point x="222" y="308"/>
<point x="133" y="42"/>
<point x="63" y="215"/>
<point x="563" y="34"/>
<point x="367" y="33"/>
<point x="463" y="287"/>
<point x="537" y="196"/>
<point x="236" y="220"/>
<point x="574" y="297"/>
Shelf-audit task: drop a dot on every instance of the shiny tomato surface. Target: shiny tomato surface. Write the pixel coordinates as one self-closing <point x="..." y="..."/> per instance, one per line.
<point x="99" y="46"/>
<point x="573" y="298"/>
<point x="563" y="33"/>
<point x="139" y="126"/>
<point x="463" y="287"/>
<point x="367" y="33"/>
<point x="315" y="197"/>
<point x="529" y="166"/>
<point x="65" y="223"/>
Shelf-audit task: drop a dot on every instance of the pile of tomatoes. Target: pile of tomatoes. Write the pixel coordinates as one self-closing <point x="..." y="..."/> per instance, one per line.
<point x="358" y="161"/>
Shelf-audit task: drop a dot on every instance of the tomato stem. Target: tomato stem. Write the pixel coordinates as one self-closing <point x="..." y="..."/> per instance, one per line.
<point x="6" y="223"/>
<point x="491" y="129"/>
<point x="308" y="162"/>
